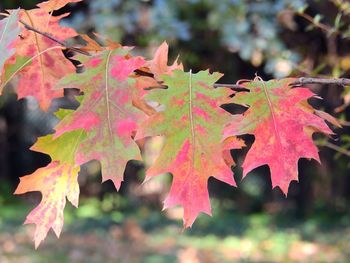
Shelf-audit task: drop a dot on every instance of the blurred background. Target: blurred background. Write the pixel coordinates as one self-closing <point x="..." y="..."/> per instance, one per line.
<point x="251" y="223"/>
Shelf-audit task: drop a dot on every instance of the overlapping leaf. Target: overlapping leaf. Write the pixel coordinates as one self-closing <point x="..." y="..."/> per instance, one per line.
<point x="159" y="64"/>
<point x="48" y="63"/>
<point x="282" y="122"/>
<point x="192" y="123"/>
<point x="156" y="67"/>
<point x="106" y="111"/>
<point x="9" y="31"/>
<point x="56" y="182"/>
<point x="53" y="5"/>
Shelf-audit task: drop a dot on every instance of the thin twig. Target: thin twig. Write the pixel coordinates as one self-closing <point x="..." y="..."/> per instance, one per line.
<point x="63" y="44"/>
<point x="47" y="35"/>
<point x="237" y="87"/>
<point x="321" y="26"/>
<point x="344" y="123"/>
<point x="335" y="148"/>
<point x="27" y="26"/>
<point x="299" y="82"/>
<point x="304" y="81"/>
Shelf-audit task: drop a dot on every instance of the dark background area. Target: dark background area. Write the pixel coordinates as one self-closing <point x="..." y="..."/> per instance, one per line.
<point x="250" y="223"/>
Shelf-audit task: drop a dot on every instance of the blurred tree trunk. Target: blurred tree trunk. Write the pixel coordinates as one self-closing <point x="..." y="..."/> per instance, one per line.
<point x="3" y="149"/>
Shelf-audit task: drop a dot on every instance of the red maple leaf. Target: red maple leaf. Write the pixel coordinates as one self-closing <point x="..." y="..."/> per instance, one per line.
<point x="56" y="182"/>
<point x="48" y="63"/>
<point x="106" y="111"/>
<point x="282" y="122"/>
<point x="192" y="122"/>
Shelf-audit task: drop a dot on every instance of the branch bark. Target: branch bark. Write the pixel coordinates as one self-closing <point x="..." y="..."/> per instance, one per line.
<point x="335" y="148"/>
<point x="47" y="35"/>
<point x="299" y="82"/>
<point x="340" y="81"/>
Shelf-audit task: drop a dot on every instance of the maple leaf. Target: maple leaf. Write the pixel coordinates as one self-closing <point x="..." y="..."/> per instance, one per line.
<point x="57" y="181"/>
<point x="229" y="144"/>
<point x="106" y="111"/>
<point x="48" y="64"/>
<point x="192" y="123"/>
<point x="53" y="5"/>
<point x="282" y="122"/>
<point x="9" y="31"/>
<point x="159" y="64"/>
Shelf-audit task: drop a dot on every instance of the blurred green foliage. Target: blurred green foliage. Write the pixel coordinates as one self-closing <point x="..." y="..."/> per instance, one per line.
<point x="249" y="28"/>
<point x="144" y="235"/>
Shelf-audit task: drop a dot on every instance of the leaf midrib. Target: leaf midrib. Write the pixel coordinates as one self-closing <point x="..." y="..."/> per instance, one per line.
<point x="193" y="134"/>
<point x="110" y="132"/>
<point x="273" y="115"/>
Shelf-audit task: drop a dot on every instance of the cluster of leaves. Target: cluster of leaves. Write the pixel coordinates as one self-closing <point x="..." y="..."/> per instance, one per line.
<point x="120" y="107"/>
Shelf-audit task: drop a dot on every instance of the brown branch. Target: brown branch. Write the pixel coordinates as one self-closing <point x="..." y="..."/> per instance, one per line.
<point x="335" y="148"/>
<point x="321" y="26"/>
<point x="47" y="35"/>
<point x="344" y="123"/>
<point x="342" y="108"/>
<point x="231" y="86"/>
<point x="237" y="87"/>
<point x="304" y="81"/>
<point x="299" y="82"/>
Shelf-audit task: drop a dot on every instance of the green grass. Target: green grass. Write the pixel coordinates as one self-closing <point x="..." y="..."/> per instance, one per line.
<point x="98" y="232"/>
